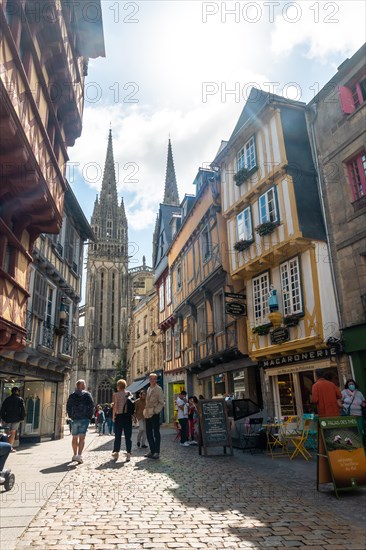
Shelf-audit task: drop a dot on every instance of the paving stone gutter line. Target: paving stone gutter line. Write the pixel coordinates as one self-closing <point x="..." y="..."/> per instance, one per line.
<point x="261" y="502"/>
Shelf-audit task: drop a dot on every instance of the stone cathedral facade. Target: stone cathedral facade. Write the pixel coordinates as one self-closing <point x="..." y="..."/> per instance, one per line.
<point x="107" y="293"/>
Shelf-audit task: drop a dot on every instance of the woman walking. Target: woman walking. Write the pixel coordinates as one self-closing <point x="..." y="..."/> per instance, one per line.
<point x="123" y="409"/>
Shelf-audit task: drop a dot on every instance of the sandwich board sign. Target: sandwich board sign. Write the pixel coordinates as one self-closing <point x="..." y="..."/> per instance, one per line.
<point x="341" y="455"/>
<point x="213" y="425"/>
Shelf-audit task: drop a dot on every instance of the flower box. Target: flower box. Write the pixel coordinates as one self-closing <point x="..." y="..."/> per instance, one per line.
<point x="241" y="176"/>
<point x="262" y="330"/>
<point x="266" y="228"/>
<point x="291" y="320"/>
<point x="242" y="245"/>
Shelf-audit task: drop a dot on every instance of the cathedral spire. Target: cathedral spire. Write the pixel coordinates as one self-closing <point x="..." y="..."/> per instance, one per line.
<point x="171" y="195"/>
<point x="109" y="185"/>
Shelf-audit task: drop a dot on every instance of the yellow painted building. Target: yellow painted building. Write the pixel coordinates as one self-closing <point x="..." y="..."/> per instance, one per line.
<point x="277" y="248"/>
<point x="208" y="345"/>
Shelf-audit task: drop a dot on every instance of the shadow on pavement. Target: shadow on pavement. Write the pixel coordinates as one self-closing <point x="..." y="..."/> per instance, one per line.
<point x="65" y="467"/>
<point x="110" y="465"/>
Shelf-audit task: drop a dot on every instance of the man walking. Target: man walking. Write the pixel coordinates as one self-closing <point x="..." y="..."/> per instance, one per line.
<point x="80" y="408"/>
<point x="12" y="414"/>
<point x="182" y="406"/>
<point x="153" y="408"/>
<point x="326" y="395"/>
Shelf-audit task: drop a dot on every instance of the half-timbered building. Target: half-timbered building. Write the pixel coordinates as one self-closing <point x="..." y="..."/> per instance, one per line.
<point x="277" y="248"/>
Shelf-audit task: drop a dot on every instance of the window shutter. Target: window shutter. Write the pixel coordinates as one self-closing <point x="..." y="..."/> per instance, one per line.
<point x="346" y="100"/>
<point x="39" y="295"/>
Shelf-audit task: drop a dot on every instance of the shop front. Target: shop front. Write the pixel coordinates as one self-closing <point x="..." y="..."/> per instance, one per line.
<point x="239" y="379"/>
<point x="174" y="384"/>
<point x="289" y="380"/>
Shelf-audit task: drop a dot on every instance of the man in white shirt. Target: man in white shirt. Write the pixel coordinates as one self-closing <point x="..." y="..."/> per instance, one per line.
<point x="182" y="406"/>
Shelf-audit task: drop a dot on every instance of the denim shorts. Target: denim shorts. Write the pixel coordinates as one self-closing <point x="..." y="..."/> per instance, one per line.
<point x="79" y="427"/>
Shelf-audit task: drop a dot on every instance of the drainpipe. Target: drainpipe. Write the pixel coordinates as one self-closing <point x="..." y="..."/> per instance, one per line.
<point x="313" y="116"/>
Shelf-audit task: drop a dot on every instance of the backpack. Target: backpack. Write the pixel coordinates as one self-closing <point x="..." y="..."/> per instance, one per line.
<point x="129" y="407"/>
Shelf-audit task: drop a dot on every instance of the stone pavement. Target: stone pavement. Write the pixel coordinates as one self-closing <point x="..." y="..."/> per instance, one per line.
<point x="185" y="501"/>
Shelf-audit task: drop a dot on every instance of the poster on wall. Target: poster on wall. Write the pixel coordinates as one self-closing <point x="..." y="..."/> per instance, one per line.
<point x="341" y="453"/>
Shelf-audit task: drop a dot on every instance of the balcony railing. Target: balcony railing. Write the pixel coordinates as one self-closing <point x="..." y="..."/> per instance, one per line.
<point x="48" y="336"/>
<point x="359" y="203"/>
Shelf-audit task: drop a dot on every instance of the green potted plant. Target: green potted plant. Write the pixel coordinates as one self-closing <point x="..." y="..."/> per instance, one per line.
<point x="266" y="228"/>
<point x="242" y="245"/>
<point x="241" y="176"/>
<point x="262" y="330"/>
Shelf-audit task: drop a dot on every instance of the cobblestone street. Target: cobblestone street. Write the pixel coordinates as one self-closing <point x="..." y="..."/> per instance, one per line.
<point x="186" y="501"/>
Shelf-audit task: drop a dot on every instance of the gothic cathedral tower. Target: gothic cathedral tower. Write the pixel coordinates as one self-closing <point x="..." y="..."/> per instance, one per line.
<point x="107" y="293"/>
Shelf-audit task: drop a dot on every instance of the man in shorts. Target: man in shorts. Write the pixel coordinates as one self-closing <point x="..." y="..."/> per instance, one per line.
<point x="80" y="408"/>
<point x="12" y="414"/>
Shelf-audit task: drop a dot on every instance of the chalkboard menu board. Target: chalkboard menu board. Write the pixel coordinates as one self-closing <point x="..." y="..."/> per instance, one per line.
<point x="214" y="425"/>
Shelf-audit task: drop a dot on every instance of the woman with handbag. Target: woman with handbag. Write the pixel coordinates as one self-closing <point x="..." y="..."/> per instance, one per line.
<point x="353" y="402"/>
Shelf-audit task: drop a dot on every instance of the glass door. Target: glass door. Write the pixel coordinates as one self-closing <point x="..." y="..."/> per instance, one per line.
<point x="33" y="397"/>
<point x="286" y="394"/>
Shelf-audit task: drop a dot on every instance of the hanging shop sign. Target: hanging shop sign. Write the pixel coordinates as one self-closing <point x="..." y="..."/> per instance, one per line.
<point x="214" y="425"/>
<point x="234" y="296"/>
<point x="341" y="455"/>
<point x="235" y="308"/>
<point x="279" y="335"/>
<point x="315" y="355"/>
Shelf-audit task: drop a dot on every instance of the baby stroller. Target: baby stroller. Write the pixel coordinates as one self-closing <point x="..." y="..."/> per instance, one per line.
<point x="7" y="479"/>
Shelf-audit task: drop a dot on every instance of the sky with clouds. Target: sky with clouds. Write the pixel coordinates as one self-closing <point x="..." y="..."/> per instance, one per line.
<point x="183" y="69"/>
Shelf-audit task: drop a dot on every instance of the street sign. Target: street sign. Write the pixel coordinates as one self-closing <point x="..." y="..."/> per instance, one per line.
<point x="235" y="308"/>
<point x="279" y="335"/>
<point x="235" y="296"/>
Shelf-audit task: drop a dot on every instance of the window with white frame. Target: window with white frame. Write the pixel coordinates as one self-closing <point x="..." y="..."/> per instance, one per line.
<point x="177" y="336"/>
<point x="244" y="225"/>
<point x="246" y="157"/>
<point x="50" y="306"/>
<point x="291" y="286"/>
<point x="268" y="211"/>
<point x="168" y="290"/>
<point x="260" y="297"/>
<point x="161" y="297"/>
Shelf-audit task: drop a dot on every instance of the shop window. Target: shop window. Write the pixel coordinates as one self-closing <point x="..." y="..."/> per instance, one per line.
<point x="352" y="96"/>
<point x="291" y="287"/>
<point x="356" y="168"/>
<point x="260" y="297"/>
<point x="268" y="209"/>
<point x="244" y="225"/>
<point x="219" y="384"/>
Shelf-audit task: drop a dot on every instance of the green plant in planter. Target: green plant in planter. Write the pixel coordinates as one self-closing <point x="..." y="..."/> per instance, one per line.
<point x="262" y="330"/>
<point x="242" y="245"/>
<point x="266" y="228"/>
<point x="241" y="176"/>
<point x="291" y="320"/>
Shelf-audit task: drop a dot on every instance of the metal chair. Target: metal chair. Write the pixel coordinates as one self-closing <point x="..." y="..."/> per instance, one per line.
<point x="177" y="431"/>
<point x="312" y="441"/>
<point x="299" y="441"/>
<point x="250" y="441"/>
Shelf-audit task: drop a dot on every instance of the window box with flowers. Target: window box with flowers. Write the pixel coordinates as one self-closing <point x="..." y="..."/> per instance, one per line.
<point x="262" y="330"/>
<point x="243" y="174"/>
<point x="291" y="320"/>
<point x="243" y="244"/>
<point x="266" y="228"/>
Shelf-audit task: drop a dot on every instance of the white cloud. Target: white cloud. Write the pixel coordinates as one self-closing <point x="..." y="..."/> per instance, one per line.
<point x="323" y="28"/>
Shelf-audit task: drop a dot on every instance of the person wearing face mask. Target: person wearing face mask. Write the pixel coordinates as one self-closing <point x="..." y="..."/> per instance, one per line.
<point x="353" y="401"/>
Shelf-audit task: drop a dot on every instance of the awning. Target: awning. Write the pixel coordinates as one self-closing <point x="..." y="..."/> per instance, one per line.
<point x="238" y="364"/>
<point x="138" y="385"/>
